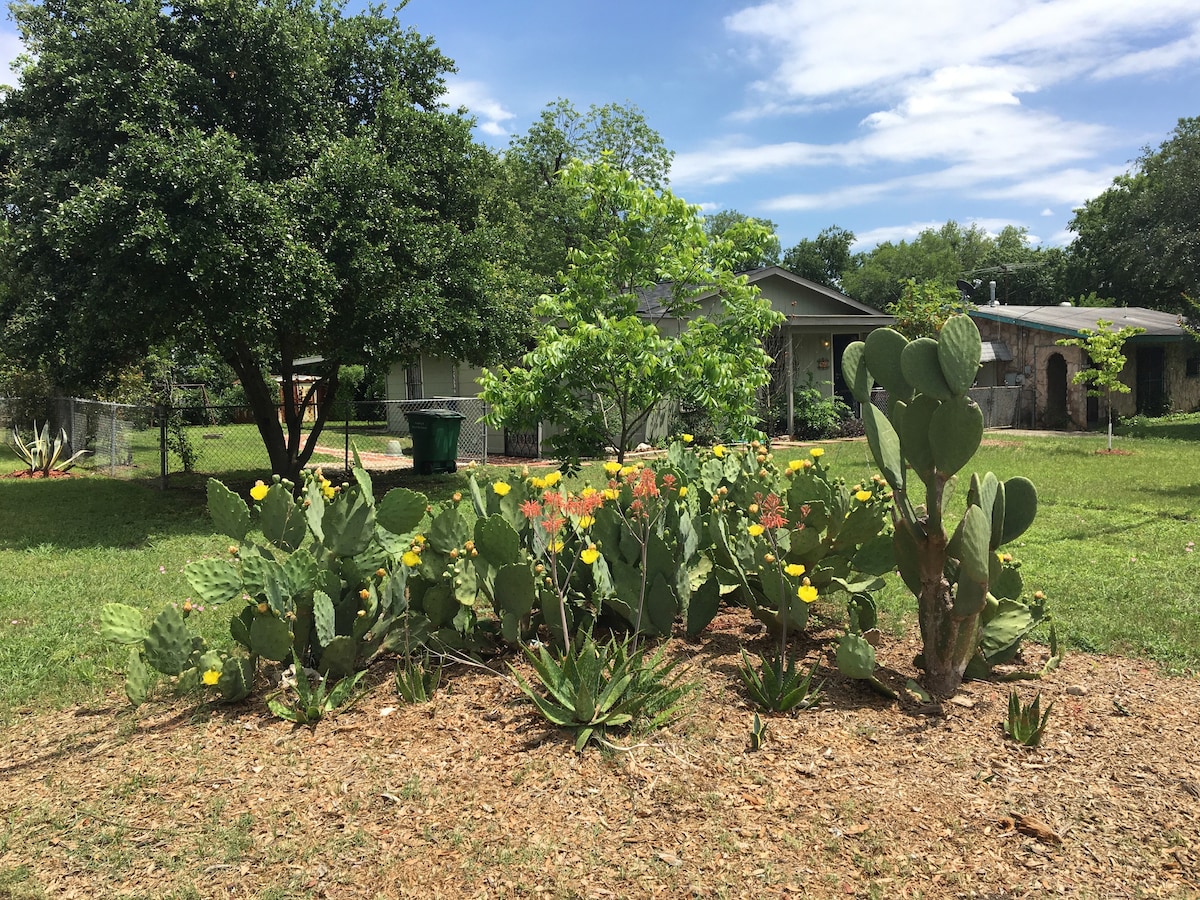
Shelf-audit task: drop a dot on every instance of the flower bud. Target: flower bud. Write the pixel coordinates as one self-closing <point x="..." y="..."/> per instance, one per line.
<point x="364" y="594"/>
<point x="233" y="551"/>
<point x="380" y="573"/>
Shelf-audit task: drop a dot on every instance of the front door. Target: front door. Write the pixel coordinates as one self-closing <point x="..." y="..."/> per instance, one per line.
<point x="840" y="388"/>
<point x="1151" y="381"/>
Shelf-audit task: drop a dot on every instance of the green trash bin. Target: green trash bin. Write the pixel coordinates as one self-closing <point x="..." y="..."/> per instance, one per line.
<point x="435" y="439"/>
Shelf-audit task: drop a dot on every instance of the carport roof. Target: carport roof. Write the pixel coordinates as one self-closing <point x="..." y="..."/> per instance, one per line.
<point x="1069" y="320"/>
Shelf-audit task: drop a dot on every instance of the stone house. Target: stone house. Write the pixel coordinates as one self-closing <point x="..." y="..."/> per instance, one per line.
<point x="1021" y="350"/>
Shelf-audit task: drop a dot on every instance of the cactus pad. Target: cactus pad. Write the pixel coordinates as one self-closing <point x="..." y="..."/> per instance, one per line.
<point x="919" y="363"/>
<point x="956" y="429"/>
<point x="884" y="349"/>
<point x="959" y="350"/>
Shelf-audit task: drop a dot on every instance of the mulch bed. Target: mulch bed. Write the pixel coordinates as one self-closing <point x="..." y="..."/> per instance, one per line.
<point x="474" y="796"/>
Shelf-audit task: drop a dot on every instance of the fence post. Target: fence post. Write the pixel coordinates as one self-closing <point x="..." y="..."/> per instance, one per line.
<point x="161" y="411"/>
<point x="485" y="434"/>
<point x="112" y="441"/>
<point x="346" y="457"/>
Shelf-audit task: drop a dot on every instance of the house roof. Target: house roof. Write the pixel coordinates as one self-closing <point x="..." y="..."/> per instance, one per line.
<point x="1070" y="320"/>
<point x="650" y="300"/>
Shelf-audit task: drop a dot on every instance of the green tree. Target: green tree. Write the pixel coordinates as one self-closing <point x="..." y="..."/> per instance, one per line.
<point x="740" y="230"/>
<point x="1023" y="274"/>
<point x="599" y="367"/>
<point x="1139" y="241"/>
<point x="548" y="218"/>
<point x="264" y="179"/>
<point x="1103" y="345"/>
<point x="825" y="259"/>
<point x="924" y="307"/>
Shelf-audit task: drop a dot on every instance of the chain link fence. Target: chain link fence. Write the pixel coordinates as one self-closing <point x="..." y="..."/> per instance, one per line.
<point x="1003" y="407"/>
<point x="127" y="441"/>
<point x="121" y="439"/>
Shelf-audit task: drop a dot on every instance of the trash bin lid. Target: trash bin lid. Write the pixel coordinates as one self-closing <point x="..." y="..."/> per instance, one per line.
<point x="435" y="414"/>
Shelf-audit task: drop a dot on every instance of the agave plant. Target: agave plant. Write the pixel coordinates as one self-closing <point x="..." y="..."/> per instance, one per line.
<point x="43" y="455"/>
<point x="595" y="687"/>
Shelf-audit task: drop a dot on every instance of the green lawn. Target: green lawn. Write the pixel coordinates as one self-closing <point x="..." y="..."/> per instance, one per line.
<point x="1111" y="547"/>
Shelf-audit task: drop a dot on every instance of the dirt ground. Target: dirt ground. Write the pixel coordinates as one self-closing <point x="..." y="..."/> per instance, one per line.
<point x="473" y="796"/>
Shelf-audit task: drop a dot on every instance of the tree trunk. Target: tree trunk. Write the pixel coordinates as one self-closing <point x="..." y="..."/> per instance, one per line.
<point x="949" y="641"/>
<point x="288" y="452"/>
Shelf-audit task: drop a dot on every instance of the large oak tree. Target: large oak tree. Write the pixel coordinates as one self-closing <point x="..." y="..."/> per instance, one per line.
<point x="266" y="179"/>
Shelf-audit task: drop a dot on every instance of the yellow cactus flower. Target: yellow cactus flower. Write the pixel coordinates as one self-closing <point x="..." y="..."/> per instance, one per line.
<point x="587" y="492"/>
<point x="590" y="555"/>
<point x="611" y="493"/>
<point x="688" y="438"/>
<point x="419" y="539"/>
<point x="411" y="558"/>
<point x="816" y="452"/>
<point x="863" y="496"/>
<point x="587" y="521"/>
<point x="794" y="569"/>
<point x="719" y="451"/>
<point x="212" y="676"/>
<point x="259" y="491"/>
<point x="612" y="467"/>
<point x="538" y="482"/>
<point x="557" y="546"/>
<point x="682" y="492"/>
<point x="501" y="488"/>
<point x="626" y="471"/>
<point x="553" y="478"/>
<point x="756" y="529"/>
<point x="807" y="592"/>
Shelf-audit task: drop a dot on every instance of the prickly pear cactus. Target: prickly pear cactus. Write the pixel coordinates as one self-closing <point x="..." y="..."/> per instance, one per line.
<point x="965" y="591"/>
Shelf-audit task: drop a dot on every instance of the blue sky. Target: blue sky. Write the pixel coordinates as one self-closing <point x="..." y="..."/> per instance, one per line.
<point x="881" y="116"/>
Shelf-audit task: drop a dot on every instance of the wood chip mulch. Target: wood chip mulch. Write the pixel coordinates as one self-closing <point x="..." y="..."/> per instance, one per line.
<point x="472" y="795"/>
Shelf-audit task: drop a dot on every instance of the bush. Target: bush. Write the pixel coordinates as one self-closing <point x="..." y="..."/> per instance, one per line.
<point x="816" y="416"/>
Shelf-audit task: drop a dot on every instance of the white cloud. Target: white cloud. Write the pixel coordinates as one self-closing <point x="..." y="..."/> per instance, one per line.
<point x="474" y="95"/>
<point x="947" y="91"/>
<point x="1156" y="59"/>
<point x="1047" y="212"/>
<point x="878" y="47"/>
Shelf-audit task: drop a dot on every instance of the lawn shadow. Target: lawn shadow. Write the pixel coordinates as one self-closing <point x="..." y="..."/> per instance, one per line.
<point x="95" y="512"/>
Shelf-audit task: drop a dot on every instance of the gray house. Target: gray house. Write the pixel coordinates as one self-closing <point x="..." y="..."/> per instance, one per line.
<point x="820" y="322"/>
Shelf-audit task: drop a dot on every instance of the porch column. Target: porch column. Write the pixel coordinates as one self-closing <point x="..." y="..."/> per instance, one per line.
<point x="791" y="384"/>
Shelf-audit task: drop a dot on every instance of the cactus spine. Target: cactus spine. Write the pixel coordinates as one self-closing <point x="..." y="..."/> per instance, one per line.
<point x="932" y="430"/>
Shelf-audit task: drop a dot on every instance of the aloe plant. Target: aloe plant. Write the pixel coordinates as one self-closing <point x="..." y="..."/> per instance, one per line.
<point x="1026" y="723"/>
<point x="777" y="686"/>
<point x="312" y="703"/>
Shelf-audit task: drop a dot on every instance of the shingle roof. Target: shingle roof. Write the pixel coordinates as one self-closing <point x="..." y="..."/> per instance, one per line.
<point x="1071" y="319"/>
<point x="650" y="299"/>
